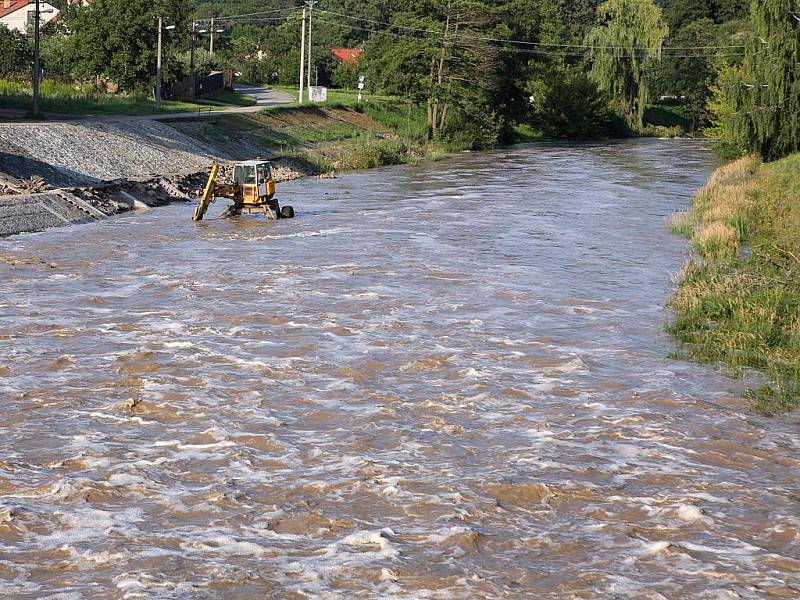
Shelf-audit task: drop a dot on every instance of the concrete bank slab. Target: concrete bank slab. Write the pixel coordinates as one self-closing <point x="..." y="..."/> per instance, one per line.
<point x="37" y="212"/>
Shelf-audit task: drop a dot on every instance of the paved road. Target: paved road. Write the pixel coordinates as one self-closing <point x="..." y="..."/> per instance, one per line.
<point x="264" y="97"/>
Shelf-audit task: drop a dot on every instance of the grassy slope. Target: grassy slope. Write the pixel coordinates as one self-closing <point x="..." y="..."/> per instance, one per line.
<point x="739" y="302"/>
<point x="68" y="100"/>
<point x="339" y="135"/>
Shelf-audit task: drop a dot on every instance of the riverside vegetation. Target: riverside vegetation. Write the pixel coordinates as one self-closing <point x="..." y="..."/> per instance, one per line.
<point x="482" y="70"/>
<point x="738" y="302"/>
<point x="341" y="135"/>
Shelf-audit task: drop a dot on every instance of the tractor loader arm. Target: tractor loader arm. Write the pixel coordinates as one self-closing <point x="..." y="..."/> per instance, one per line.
<point x="208" y="194"/>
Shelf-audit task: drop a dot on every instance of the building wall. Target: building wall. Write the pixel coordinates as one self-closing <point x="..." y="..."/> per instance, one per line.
<point x="19" y="19"/>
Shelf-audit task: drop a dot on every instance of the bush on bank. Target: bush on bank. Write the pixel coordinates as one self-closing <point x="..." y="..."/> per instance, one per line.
<point x="738" y="302"/>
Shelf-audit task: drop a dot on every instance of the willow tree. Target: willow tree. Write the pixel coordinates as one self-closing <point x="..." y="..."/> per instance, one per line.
<point x="766" y="94"/>
<point x="621" y="47"/>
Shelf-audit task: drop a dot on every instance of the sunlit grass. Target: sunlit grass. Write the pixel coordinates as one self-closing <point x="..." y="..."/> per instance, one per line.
<point x="738" y="302"/>
<point x="70" y="99"/>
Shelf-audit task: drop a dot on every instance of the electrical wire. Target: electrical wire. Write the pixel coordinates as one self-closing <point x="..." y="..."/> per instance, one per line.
<point x="533" y="51"/>
<point x="245" y="15"/>
<point x="258" y="20"/>
<point x="569" y="49"/>
<point x="522" y="42"/>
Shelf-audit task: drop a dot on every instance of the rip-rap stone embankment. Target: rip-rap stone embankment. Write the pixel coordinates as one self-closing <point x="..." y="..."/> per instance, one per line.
<point x="111" y="167"/>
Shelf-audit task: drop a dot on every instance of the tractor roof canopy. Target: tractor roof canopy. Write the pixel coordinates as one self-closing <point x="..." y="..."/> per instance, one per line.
<point x="252" y="172"/>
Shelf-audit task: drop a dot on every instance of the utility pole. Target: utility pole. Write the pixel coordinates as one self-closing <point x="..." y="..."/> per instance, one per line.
<point x="36" y="66"/>
<point x="159" y="53"/>
<point x="211" y="46"/>
<point x="302" y="56"/>
<point x="158" y="68"/>
<point x="191" y="60"/>
<point x="310" y="4"/>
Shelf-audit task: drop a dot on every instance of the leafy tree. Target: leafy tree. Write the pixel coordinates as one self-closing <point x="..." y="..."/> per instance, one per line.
<point x="346" y="75"/>
<point x="730" y="10"/>
<point x="622" y="47"/>
<point x="573" y="107"/>
<point x="116" y="39"/>
<point x="16" y="52"/>
<point x="723" y="114"/>
<point x="688" y="74"/>
<point x="577" y="17"/>
<point x="765" y="96"/>
<point x="449" y="56"/>
<point x="682" y="12"/>
<point x="58" y="57"/>
<point x="283" y="52"/>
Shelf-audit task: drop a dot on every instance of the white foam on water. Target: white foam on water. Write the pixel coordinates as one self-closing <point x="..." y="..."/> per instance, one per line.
<point x="127" y="479"/>
<point x="708" y="497"/>
<point x="311" y="234"/>
<point x="198" y="448"/>
<point x="88" y="524"/>
<point x="90" y="559"/>
<point x="55" y="492"/>
<point x="472" y="373"/>
<point x="362" y="545"/>
<point x="736" y="548"/>
<point x="654" y="548"/>
<point x="18" y="585"/>
<point x="129" y="583"/>
<point x="690" y="513"/>
<point x="576" y="365"/>
<point x="121" y="419"/>
<point x="166" y="443"/>
<point x="444" y="534"/>
<point x="93" y="442"/>
<point x="226" y="545"/>
<point x="95" y="462"/>
<point x="179" y="345"/>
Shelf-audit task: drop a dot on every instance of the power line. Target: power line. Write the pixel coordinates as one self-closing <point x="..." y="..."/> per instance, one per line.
<point x="522" y="42"/>
<point x="259" y="20"/>
<point x="255" y="14"/>
<point x="434" y="32"/>
<point x="533" y="51"/>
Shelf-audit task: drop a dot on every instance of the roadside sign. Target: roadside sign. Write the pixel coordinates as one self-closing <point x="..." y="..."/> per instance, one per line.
<point x="362" y="78"/>
<point x="319" y="93"/>
<point x="361" y="86"/>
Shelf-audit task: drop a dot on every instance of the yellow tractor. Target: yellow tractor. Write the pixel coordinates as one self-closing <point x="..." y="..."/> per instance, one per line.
<point x="252" y="192"/>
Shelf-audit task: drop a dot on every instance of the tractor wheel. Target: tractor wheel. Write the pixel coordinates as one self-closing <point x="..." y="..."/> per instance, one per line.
<point x="287" y="212"/>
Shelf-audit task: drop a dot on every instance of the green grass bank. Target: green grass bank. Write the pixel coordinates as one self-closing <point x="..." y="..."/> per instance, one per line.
<point x="738" y="301"/>
<point x="336" y="136"/>
<point x="69" y="99"/>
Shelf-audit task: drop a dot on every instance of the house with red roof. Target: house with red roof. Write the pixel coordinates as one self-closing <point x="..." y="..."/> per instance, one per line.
<point x="20" y="14"/>
<point x="348" y="55"/>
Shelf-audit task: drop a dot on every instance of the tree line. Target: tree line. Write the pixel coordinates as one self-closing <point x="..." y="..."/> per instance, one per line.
<point x="574" y="69"/>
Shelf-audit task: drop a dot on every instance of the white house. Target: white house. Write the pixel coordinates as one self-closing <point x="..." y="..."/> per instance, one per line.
<point x="19" y="14"/>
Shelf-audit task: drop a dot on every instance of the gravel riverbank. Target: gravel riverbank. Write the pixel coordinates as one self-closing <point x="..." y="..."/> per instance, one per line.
<point x="111" y="167"/>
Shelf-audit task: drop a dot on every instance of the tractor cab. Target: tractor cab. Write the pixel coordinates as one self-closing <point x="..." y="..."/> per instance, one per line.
<point x="255" y="179"/>
<point x="252" y="192"/>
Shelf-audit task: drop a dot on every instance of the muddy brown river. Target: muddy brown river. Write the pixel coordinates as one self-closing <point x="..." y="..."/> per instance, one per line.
<point x="447" y="380"/>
